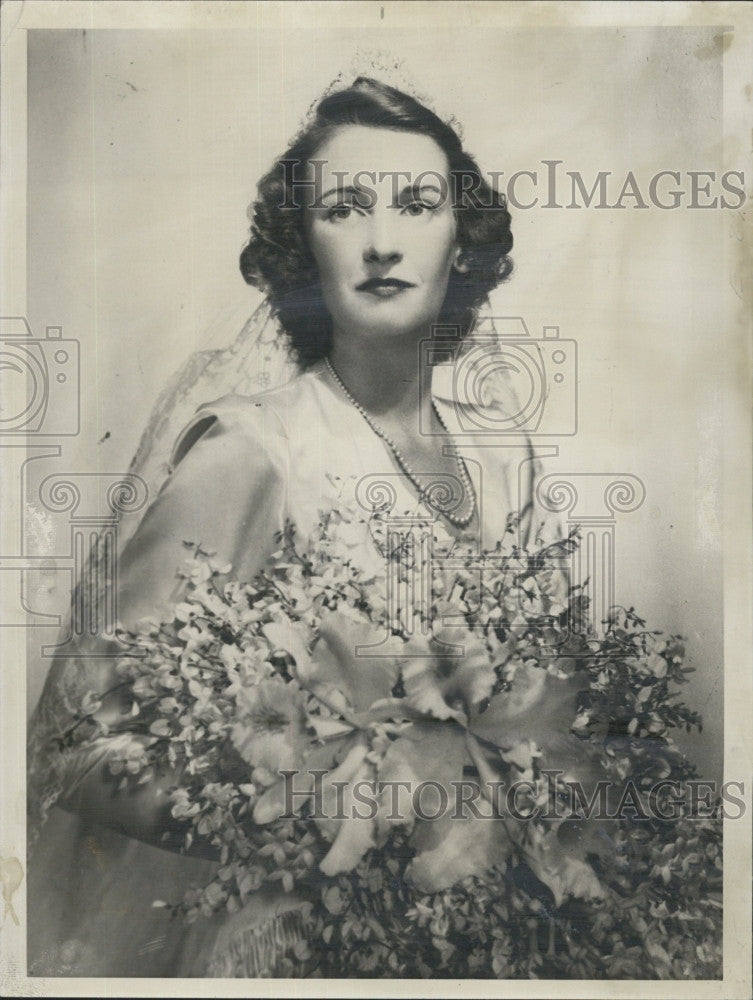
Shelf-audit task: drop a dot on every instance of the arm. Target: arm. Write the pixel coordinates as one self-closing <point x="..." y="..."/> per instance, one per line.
<point x="225" y="495"/>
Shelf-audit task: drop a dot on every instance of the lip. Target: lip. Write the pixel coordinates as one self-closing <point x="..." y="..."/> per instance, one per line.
<point x="384" y="287"/>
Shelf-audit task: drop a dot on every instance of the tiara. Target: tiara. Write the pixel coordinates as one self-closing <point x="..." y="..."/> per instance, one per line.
<point x="388" y="68"/>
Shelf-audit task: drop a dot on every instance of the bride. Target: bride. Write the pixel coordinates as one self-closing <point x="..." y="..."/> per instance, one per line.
<point x="366" y="235"/>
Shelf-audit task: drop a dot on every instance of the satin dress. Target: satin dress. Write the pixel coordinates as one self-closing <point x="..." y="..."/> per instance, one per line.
<point x="241" y="468"/>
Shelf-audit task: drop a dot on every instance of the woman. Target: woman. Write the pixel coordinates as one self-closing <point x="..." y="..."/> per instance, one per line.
<point x="365" y="235"/>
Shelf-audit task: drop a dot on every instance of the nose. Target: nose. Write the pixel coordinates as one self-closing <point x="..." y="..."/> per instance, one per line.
<point x="381" y="242"/>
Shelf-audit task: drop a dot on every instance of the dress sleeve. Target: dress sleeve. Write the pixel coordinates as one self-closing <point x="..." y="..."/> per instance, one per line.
<point x="226" y="493"/>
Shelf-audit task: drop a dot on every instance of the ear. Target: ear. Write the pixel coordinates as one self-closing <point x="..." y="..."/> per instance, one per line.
<point x="460" y="264"/>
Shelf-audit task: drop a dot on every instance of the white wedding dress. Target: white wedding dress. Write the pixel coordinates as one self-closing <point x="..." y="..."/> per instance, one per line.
<point x="241" y="467"/>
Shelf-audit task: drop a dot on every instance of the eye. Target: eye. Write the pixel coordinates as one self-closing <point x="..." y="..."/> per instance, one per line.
<point x="418" y="208"/>
<point x="339" y="212"/>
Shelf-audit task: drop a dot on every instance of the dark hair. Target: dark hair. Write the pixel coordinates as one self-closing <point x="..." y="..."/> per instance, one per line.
<point x="277" y="257"/>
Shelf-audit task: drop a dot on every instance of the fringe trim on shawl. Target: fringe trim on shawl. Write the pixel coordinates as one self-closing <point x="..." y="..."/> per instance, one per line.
<point x="256" y="952"/>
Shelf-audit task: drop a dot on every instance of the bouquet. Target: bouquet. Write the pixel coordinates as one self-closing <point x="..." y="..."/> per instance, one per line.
<point x="480" y="786"/>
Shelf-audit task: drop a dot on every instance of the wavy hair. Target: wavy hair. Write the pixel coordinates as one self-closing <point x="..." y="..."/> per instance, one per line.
<point x="277" y="258"/>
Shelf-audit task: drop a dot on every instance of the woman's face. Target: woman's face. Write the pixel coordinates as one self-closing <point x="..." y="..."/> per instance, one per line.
<point x="382" y="230"/>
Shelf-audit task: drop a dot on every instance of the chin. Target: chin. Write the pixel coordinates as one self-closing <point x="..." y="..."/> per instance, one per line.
<point x="390" y="320"/>
<point x="392" y="328"/>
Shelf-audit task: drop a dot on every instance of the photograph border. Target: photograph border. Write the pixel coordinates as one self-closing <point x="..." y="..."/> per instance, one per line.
<point x="737" y="22"/>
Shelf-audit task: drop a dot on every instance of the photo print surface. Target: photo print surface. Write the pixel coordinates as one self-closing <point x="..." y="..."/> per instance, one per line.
<point x="376" y="550"/>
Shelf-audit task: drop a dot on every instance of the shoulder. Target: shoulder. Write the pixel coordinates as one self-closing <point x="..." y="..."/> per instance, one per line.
<point x="264" y="422"/>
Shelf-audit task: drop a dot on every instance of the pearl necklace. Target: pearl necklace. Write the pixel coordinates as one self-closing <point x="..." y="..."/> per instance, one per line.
<point x="465" y="479"/>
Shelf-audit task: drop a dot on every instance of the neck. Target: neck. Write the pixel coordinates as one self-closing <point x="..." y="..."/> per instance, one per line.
<point x="385" y="375"/>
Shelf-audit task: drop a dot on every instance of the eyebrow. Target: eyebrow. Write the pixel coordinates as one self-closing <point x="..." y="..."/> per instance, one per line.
<point x="416" y="188"/>
<point x="408" y="189"/>
<point x="350" y="189"/>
